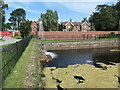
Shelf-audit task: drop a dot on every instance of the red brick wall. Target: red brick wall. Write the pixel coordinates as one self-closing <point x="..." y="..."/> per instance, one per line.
<point x="17" y="33"/>
<point x="72" y="35"/>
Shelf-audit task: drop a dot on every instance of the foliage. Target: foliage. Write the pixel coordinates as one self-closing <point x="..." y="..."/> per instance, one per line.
<point x="8" y="25"/>
<point x="112" y="34"/>
<point x="93" y="27"/>
<point x="100" y="38"/>
<point x="85" y="19"/>
<point x="50" y="20"/>
<point x="106" y="17"/>
<point x="17" y="16"/>
<point x="17" y="37"/>
<point x="25" y="28"/>
<point x="60" y="27"/>
<point x="71" y="27"/>
<point x="3" y="7"/>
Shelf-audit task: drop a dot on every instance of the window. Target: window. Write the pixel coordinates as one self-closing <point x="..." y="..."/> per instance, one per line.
<point x="35" y="26"/>
<point x="68" y="26"/>
<point x="84" y="27"/>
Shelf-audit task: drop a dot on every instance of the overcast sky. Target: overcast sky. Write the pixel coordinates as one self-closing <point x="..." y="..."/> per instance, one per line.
<point x="74" y="9"/>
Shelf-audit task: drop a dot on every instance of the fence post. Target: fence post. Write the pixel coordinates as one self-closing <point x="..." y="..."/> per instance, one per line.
<point x="17" y="50"/>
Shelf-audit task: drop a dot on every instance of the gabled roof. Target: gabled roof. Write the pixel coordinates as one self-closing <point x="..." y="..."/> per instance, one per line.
<point x="73" y="23"/>
<point x="77" y="23"/>
<point x="63" y="23"/>
<point x="86" y="23"/>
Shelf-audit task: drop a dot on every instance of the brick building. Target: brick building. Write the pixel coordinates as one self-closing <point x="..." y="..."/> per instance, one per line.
<point x="36" y="26"/>
<point x="77" y="26"/>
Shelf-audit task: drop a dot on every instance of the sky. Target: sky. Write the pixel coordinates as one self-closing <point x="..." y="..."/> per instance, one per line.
<point x="67" y="9"/>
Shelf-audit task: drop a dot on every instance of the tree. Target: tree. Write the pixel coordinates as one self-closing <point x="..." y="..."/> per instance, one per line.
<point x="85" y="19"/>
<point x="93" y="27"/>
<point x="25" y="28"/>
<point x="50" y="20"/>
<point x="3" y="7"/>
<point x="118" y="9"/>
<point x="8" y="25"/>
<point x="60" y="27"/>
<point x="17" y="16"/>
<point x="71" y="27"/>
<point x="106" y="17"/>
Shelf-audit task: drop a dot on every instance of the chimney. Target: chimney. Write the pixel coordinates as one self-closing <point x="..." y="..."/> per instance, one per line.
<point x="70" y="20"/>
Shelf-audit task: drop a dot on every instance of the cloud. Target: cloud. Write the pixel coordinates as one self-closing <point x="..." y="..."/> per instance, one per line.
<point x="82" y="7"/>
<point x="60" y="0"/>
<point x="26" y="6"/>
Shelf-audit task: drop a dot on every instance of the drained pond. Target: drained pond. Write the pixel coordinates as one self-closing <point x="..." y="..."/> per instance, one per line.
<point x="83" y="68"/>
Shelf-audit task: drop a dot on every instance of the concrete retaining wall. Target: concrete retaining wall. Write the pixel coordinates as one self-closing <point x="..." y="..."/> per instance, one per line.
<point x="81" y="44"/>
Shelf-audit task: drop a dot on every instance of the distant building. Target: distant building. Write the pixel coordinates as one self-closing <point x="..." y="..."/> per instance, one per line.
<point x="36" y="25"/>
<point x="77" y="26"/>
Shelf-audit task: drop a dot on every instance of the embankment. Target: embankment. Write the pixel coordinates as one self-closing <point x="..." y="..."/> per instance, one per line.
<point x="81" y="44"/>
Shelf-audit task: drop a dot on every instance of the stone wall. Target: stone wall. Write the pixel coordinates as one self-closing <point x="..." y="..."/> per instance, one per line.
<point x="81" y="44"/>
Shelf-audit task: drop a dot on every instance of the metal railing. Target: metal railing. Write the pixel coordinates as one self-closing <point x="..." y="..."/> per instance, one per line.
<point x="11" y="54"/>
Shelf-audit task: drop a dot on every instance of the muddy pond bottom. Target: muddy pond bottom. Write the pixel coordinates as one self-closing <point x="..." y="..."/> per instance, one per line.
<point x="85" y="68"/>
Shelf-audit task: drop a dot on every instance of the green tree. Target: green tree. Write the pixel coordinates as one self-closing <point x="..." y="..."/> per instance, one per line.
<point x="85" y="19"/>
<point x="71" y="27"/>
<point x="50" y="20"/>
<point x="60" y="27"/>
<point x="17" y="16"/>
<point x="8" y="25"/>
<point x="117" y="6"/>
<point x="106" y="17"/>
<point x="93" y="27"/>
<point x="3" y="7"/>
<point x="25" y="28"/>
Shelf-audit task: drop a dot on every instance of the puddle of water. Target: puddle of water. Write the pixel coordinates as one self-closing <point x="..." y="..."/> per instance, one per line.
<point x="84" y="56"/>
<point x="80" y="79"/>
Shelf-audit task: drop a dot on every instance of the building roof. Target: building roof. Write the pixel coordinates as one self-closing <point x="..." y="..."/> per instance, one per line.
<point x="75" y="23"/>
<point x="63" y="23"/>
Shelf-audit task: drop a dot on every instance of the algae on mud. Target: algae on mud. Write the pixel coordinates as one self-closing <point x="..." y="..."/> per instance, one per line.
<point x="94" y="77"/>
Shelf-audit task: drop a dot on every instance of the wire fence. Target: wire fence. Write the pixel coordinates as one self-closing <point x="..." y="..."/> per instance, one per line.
<point x="11" y="54"/>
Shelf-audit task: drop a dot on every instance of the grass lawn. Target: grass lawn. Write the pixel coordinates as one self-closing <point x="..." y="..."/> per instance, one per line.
<point x="2" y="40"/>
<point x="26" y="73"/>
<point x="17" y="37"/>
<point x="81" y="39"/>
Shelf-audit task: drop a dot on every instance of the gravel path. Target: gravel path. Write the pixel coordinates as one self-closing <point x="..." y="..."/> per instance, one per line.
<point x="8" y="40"/>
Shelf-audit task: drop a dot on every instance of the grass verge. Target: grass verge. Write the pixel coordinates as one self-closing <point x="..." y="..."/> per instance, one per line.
<point x="2" y="40"/>
<point x="17" y="77"/>
<point x="6" y="45"/>
<point x="17" y="37"/>
<point x="80" y="39"/>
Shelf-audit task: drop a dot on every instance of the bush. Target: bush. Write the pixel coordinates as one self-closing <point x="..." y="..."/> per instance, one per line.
<point x="16" y="34"/>
<point x="111" y="35"/>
